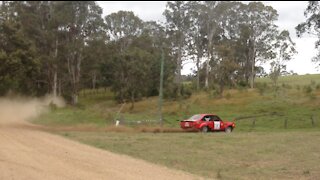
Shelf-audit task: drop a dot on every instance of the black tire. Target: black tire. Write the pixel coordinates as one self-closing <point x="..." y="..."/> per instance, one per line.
<point x="205" y="129"/>
<point x="228" y="130"/>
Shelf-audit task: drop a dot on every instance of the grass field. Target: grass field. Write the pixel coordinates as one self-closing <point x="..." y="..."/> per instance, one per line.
<point x="255" y="155"/>
<point x="276" y="137"/>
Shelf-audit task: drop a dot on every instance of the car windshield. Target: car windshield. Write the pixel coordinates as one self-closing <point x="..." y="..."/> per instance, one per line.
<point x="194" y="117"/>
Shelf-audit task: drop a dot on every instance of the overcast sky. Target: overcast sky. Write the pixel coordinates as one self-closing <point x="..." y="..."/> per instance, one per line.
<point x="290" y="15"/>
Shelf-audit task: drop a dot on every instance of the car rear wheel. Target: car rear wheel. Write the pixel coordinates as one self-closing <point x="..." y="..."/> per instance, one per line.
<point x="204" y="129"/>
<point x="228" y="130"/>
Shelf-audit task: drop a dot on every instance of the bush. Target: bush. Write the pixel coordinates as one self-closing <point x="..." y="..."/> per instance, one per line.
<point x="287" y="86"/>
<point x="308" y="89"/>
<point x="312" y="96"/>
<point x="228" y="96"/>
<point x="186" y="91"/>
<point x="214" y="94"/>
<point x="242" y="84"/>
<point x="262" y="87"/>
<point x="171" y="92"/>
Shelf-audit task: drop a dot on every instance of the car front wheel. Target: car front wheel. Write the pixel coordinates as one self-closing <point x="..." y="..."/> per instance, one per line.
<point x="228" y="130"/>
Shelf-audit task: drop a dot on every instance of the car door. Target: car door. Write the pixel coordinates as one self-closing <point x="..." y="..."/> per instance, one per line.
<point x="207" y="120"/>
<point x="217" y="123"/>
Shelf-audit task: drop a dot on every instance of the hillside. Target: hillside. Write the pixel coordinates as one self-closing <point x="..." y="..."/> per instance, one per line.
<point x="276" y="135"/>
<point x="296" y="100"/>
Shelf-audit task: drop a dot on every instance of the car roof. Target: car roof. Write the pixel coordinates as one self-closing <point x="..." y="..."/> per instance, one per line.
<point x="208" y="114"/>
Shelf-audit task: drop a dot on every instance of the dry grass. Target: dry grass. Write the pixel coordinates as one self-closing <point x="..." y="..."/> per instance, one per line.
<point x="277" y="155"/>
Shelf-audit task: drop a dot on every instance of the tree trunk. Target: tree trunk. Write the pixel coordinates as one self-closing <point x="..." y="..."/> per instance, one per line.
<point x="221" y="87"/>
<point x="206" y="85"/>
<point x="55" y="71"/>
<point x="77" y="78"/>
<point x="74" y="98"/>
<point x="55" y="83"/>
<point x="198" y="72"/>
<point x="209" y="49"/>
<point x="247" y="69"/>
<point x="252" y="74"/>
<point x="132" y="100"/>
<point x="179" y="62"/>
<point x="59" y="87"/>
<point x="74" y="64"/>
<point x="253" y="62"/>
<point x="94" y="80"/>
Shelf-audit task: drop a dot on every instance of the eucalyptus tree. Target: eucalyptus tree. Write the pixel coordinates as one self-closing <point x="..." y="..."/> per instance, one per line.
<point x="262" y="32"/>
<point x="311" y="26"/>
<point x="95" y="53"/>
<point x="196" y="35"/>
<point x="211" y="15"/>
<point x="161" y="45"/>
<point x="78" y="22"/>
<point x="123" y="25"/>
<point x="226" y="45"/>
<point x="40" y="23"/>
<point x="123" y="28"/>
<point x="284" y="49"/>
<point x="178" y="24"/>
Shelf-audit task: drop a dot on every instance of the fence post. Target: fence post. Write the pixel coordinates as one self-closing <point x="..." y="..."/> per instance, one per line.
<point x="285" y="123"/>
<point x="253" y="123"/>
<point x="312" y="121"/>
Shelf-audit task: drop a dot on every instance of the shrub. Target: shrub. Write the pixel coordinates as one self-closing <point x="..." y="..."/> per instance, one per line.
<point x="312" y="96"/>
<point x="228" y="96"/>
<point x="308" y="89"/>
<point x="287" y="86"/>
<point x="262" y="87"/>
<point x="171" y="92"/>
<point x="186" y="91"/>
<point x="242" y="84"/>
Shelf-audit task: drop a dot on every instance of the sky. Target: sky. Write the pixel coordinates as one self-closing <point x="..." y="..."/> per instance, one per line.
<point x="290" y="15"/>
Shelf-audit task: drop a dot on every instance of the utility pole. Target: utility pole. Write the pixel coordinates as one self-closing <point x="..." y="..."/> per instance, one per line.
<point x="161" y="88"/>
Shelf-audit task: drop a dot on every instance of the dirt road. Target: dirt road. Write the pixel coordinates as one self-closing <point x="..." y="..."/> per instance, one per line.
<point x="28" y="153"/>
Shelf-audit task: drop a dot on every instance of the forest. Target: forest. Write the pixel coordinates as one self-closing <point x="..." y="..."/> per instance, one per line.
<point x="63" y="47"/>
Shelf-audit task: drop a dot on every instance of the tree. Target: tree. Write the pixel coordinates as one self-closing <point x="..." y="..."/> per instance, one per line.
<point x="178" y="24"/>
<point x="94" y="54"/>
<point x="131" y="71"/>
<point x="226" y="65"/>
<point x="78" y="21"/>
<point x="196" y="44"/>
<point x="311" y="26"/>
<point x="19" y="65"/>
<point x="211" y="15"/>
<point x="262" y="30"/>
<point x="122" y="27"/>
<point x="122" y="24"/>
<point x="285" y="49"/>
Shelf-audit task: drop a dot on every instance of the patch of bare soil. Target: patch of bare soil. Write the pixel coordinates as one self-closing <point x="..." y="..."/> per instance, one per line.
<point x="28" y="153"/>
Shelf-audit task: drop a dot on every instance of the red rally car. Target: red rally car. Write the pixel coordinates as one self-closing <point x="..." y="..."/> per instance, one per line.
<point x="206" y="123"/>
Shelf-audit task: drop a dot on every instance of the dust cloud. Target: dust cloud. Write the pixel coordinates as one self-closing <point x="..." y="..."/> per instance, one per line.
<point x="18" y="110"/>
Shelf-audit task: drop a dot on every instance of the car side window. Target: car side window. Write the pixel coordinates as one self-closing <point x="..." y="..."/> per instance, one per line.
<point x="206" y="118"/>
<point x="216" y="118"/>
